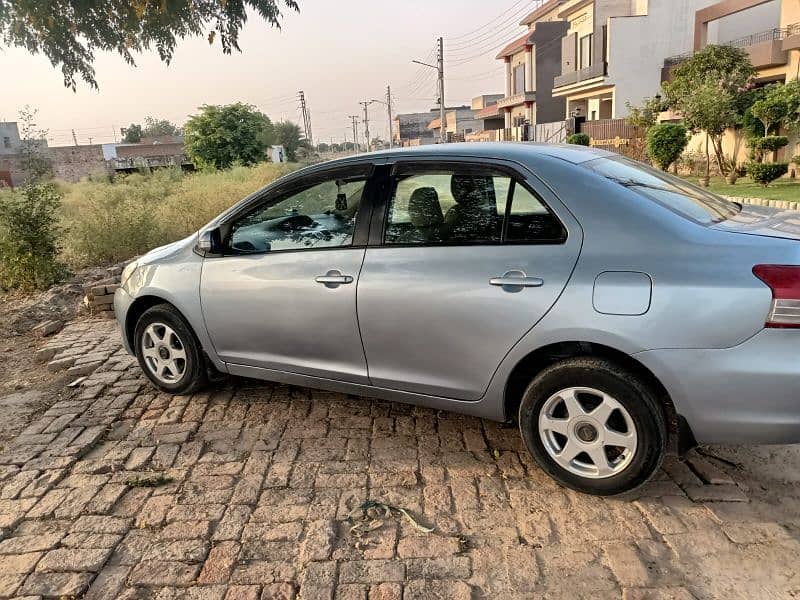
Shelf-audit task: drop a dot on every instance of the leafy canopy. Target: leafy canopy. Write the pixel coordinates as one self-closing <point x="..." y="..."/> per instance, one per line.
<point x="710" y="89"/>
<point x="70" y="32"/>
<point x="290" y="136"/>
<point x="132" y="134"/>
<point x="666" y="142"/>
<point x="779" y="105"/>
<point x="220" y="136"/>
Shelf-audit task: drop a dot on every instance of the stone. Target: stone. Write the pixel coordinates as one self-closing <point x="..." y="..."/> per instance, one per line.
<point x="56" y="584"/>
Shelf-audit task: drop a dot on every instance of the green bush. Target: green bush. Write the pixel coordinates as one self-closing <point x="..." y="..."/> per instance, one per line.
<point x="29" y="236"/>
<point x="666" y="142"/>
<point x="765" y="173"/>
<point x="771" y="143"/>
<point x="796" y="159"/>
<point x="579" y="139"/>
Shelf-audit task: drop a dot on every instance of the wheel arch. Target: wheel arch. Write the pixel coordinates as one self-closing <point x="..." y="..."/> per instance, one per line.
<point x="680" y="435"/>
<point x="137" y="309"/>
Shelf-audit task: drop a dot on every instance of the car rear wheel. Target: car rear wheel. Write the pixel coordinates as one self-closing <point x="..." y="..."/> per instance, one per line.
<point x="593" y="426"/>
<point x="168" y="351"/>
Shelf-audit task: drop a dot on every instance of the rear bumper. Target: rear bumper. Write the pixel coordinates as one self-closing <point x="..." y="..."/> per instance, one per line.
<point x="122" y="302"/>
<point x="746" y="394"/>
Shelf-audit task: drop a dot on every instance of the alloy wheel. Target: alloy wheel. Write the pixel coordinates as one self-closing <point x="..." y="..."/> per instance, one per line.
<point x="587" y="432"/>
<point x="164" y="353"/>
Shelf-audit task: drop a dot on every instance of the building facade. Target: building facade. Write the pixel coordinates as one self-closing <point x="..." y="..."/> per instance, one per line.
<point x="532" y="61"/>
<point x="613" y="51"/>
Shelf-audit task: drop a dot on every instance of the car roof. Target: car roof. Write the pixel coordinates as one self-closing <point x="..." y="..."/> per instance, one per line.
<point x="519" y="151"/>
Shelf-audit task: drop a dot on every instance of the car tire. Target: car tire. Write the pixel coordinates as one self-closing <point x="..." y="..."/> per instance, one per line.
<point x="169" y="352"/>
<point x="580" y="411"/>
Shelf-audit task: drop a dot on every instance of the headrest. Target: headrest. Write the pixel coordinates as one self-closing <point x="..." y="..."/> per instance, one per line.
<point x="424" y="209"/>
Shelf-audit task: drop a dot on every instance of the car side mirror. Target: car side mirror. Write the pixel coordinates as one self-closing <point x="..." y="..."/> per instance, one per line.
<point x="209" y="241"/>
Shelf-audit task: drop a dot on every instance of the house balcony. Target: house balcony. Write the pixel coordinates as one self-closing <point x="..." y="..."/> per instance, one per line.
<point x="516" y="100"/>
<point x="766" y="49"/>
<point x="575" y="77"/>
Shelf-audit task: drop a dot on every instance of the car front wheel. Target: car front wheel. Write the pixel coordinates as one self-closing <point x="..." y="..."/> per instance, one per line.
<point x="168" y="351"/>
<point x="593" y="426"/>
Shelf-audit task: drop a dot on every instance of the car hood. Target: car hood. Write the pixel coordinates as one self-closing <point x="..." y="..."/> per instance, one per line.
<point x="764" y="221"/>
<point x="168" y="250"/>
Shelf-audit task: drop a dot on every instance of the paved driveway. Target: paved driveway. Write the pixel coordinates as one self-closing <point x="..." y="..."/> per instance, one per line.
<point x="254" y="491"/>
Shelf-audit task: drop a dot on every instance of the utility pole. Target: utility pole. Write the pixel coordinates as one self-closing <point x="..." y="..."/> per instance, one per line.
<point x="306" y="118"/>
<point x="366" y="103"/>
<point x="74" y="138"/>
<point x="443" y="128"/>
<point x="391" y="121"/>
<point x="355" y="132"/>
<point x="439" y="66"/>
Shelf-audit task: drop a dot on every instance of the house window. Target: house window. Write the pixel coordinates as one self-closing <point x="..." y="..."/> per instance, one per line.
<point x="6" y="142"/>
<point x="519" y="79"/>
<point x="586" y="43"/>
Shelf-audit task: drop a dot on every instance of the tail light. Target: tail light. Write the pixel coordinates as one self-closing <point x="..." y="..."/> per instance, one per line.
<point x="784" y="281"/>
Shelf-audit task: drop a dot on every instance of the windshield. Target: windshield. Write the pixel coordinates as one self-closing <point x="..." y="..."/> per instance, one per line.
<point x="672" y="192"/>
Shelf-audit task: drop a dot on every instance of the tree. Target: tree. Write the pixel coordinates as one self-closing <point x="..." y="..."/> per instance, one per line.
<point x="158" y="127"/>
<point x="290" y="136"/>
<point x="69" y="32"/>
<point x="779" y="105"/>
<point x="223" y="135"/>
<point x="711" y="91"/>
<point x="666" y="142"/>
<point x="29" y="218"/>
<point x="645" y="116"/>
<point x="323" y="147"/>
<point x="772" y="109"/>
<point x="132" y="134"/>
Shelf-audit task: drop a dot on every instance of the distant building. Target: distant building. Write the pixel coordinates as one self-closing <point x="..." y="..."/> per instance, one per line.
<point x="72" y="163"/>
<point x="460" y="122"/>
<point x="411" y="129"/>
<point x="9" y="138"/>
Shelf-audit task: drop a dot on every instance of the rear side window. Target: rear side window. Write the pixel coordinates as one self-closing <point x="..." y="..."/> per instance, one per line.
<point x="455" y="206"/>
<point x="675" y="194"/>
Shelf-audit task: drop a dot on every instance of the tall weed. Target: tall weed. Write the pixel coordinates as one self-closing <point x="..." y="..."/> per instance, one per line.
<point x="108" y="222"/>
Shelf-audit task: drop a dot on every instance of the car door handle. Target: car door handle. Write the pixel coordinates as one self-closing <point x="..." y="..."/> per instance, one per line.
<point x="334" y="278"/>
<point x="516" y="280"/>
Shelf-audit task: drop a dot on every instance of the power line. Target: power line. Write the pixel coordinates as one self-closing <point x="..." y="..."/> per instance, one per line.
<point x="500" y="16"/>
<point x="500" y="29"/>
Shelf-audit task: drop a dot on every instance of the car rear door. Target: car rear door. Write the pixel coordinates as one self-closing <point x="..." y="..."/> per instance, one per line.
<point x="283" y="295"/>
<point x="465" y="257"/>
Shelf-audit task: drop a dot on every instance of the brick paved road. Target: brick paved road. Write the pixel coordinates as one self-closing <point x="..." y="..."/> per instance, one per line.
<point x="258" y="484"/>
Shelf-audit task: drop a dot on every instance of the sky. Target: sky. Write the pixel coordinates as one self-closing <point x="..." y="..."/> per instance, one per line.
<point x="339" y="53"/>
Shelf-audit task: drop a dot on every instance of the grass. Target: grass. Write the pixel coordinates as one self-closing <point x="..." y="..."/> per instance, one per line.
<point x="783" y="189"/>
<point x="108" y="222"/>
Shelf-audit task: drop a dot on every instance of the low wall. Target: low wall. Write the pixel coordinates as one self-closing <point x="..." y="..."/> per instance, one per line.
<point x="783" y="204"/>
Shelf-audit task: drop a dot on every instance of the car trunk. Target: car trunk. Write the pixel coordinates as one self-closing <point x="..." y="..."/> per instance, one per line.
<point x="764" y="221"/>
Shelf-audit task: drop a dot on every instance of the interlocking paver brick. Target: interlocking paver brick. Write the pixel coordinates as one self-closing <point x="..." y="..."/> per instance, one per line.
<point x="263" y="481"/>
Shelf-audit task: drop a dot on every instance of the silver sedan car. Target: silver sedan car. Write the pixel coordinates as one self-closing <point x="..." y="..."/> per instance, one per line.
<point x="616" y="312"/>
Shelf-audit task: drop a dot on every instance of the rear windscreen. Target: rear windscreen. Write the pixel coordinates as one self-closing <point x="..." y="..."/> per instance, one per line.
<point x="672" y="192"/>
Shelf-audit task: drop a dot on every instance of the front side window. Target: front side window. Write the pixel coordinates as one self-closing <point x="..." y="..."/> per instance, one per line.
<point x="586" y="50"/>
<point x="320" y="216"/>
<point x="465" y="207"/>
<point x="681" y="197"/>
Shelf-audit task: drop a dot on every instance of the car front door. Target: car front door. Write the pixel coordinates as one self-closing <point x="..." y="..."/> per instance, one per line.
<point x="282" y="296"/>
<point x="470" y="258"/>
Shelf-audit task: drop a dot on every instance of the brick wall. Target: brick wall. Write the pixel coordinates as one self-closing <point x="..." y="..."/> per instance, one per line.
<point x="150" y="150"/>
<point x="71" y="163"/>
